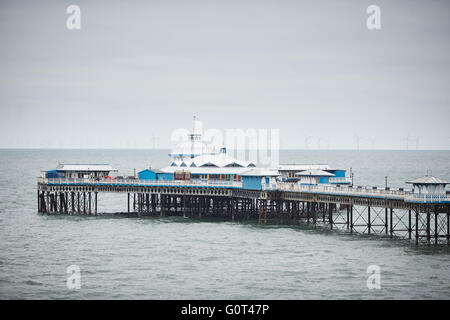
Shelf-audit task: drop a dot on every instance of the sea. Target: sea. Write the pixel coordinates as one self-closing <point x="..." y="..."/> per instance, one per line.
<point x="118" y="257"/>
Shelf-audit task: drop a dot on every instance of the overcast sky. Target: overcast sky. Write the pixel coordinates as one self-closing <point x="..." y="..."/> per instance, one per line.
<point x="143" y="68"/>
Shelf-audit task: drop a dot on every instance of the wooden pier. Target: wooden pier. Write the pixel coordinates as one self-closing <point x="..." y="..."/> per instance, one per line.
<point x="393" y="214"/>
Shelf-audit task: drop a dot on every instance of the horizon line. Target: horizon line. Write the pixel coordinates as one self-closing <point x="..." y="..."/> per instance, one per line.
<point x="281" y="149"/>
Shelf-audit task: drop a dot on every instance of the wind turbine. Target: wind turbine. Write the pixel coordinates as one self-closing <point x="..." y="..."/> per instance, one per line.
<point x="328" y="139"/>
<point x="372" y="140"/>
<point x="417" y="142"/>
<point x="408" y="139"/>
<point x="358" y="139"/>
<point x="306" y="141"/>
<point x="319" y="139"/>
<point x="154" y="138"/>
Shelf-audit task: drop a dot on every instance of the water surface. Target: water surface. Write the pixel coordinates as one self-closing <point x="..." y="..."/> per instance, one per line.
<point x="176" y="258"/>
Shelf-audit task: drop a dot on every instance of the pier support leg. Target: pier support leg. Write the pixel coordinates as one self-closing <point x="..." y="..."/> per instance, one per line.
<point x="417" y="227"/>
<point x="369" y="225"/>
<point x="265" y="211"/>
<point x="47" y="203"/>
<point x="323" y="212"/>
<point x="448" y="225"/>
<point x="409" y="224"/>
<point x="140" y="203"/>
<point x="66" y="198"/>
<point x="314" y="213"/>
<point x="307" y="212"/>
<point x="260" y="209"/>
<point x="330" y="215"/>
<point x="232" y="209"/>
<point x="95" y="207"/>
<point x="436" y="231"/>
<point x="386" y="220"/>
<point x="351" y="218"/>
<point x="428" y="228"/>
<point x="38" y="201"/>
<point x="348" y="217"/>
<point x="41" y="199"/>
<point x="390" y="222"/>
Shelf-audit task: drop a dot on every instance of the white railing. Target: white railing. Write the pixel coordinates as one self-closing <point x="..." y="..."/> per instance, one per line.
<point x="408" y="196"/>
<point x="414" y="197"/>
<point x="118" y="182"/>
<point x="270" y="186"/>
<point x="341" y="190"/>
<point x="339" y="180"/>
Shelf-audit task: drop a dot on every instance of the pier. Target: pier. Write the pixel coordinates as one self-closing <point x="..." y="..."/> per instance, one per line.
<point x="396" y="214"/>
<point x="203" y="181"/>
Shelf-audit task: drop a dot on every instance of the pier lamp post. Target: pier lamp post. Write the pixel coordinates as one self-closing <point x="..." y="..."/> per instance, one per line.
<point x="385" y="182"/>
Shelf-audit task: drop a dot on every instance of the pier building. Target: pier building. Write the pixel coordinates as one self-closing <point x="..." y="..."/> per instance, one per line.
<point x="313" y="174"/>
<point x="260" y="179"/>
<point x="428" y="187"/>
<point x="155" y="174"/>
<point x="80" y="171"/>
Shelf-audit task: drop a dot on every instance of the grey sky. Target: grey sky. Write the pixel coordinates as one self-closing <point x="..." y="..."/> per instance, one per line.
<point x="306" y="67"/>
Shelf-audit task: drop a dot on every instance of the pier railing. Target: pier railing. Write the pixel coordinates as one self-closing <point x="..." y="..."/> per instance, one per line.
<point x="145" y="182"/>
<point x="426" y="198"/>
<point x="270" y="186"/>
<point x="400" y="194"/>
